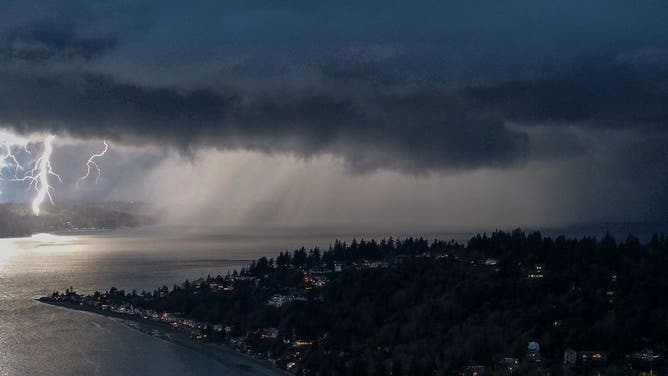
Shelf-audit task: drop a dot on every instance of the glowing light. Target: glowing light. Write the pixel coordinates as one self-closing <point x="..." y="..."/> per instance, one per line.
<point x="7" y="158"/>
<point x="92" y="164"/>
<point x="50" y="238"/>
<point x="38" y="177"/>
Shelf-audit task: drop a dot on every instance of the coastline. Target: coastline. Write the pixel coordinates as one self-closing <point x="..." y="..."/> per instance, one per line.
<point x="68" y="232"/>
<point x="239" y="362"/>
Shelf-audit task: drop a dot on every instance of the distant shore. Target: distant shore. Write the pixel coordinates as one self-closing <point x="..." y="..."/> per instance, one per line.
<point x="67" y="232"/>
<point x="243" y="364"/>
<point x="18" y="219"/>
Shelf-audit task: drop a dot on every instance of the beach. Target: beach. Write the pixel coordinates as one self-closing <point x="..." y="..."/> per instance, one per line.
<point x="238" y="363"/>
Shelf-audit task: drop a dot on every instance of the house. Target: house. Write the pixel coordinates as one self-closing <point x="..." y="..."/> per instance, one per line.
<point x="473" y="371"/>
<point x="199" y="282"/>
<point x="570" y="357"/>
<point x="197" y="334"/>
<point x="533" y="347"/>
<point x="269" y="333"/>
<point x="320" y="281"/>
<point x="592" y="359"/>
<point x="536" y="272"/>
<point x="491" y="262"/>
<point x="645" y="356"/>
<point x="533" y="352"/>
<point x="278" y="300"/>
<point x="511" y="364"/>
<point x="302" y="343"/>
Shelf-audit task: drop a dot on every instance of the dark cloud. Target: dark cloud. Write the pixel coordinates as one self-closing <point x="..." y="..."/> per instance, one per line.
<point x="413" y="131"/>
<point x="612" y="95"/>
<point x="559" y="106"/>
<point x="414" y="87"/>
<point x="48" y="39"/>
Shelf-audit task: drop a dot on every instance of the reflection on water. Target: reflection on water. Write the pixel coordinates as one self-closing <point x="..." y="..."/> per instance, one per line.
<point x="41" y="339"/>
<point x="37" y="339"/>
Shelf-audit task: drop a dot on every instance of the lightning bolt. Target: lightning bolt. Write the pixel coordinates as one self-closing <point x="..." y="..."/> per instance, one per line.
<point x="7" y="158"/>
<point x="38" y="177"/>
<point x="92" y="164"/>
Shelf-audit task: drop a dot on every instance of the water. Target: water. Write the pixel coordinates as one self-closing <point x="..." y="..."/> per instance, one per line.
<point x="38" y="339"/>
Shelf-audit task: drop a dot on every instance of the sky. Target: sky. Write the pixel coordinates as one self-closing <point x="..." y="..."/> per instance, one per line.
<point x="421" y="113"/>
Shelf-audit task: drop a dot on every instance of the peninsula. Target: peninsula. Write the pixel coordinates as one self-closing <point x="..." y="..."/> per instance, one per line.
<point x="506" y="303"/>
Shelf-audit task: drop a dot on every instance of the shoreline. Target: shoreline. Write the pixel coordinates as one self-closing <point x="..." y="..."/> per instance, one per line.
<point x="69" y="232"/>
<point x="218" y="352"/>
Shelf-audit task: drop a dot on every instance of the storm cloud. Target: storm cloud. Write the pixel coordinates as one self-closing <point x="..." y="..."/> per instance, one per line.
<point x="416" y="87"/>
<point x="381" y="84"/>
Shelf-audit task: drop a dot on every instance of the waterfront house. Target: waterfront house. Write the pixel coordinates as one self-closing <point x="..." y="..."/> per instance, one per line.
<point x="570" y="357"/>
<point x="278" y="300"/>
<point x="592" y="359"/>
<point x="269" y="333"/>
<point x="476" y="370"/>
<point x="643" y="358"/>
<point x="510" y="364"/>
<point x="533" y="352"/>
<point x="491" y="262"/>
